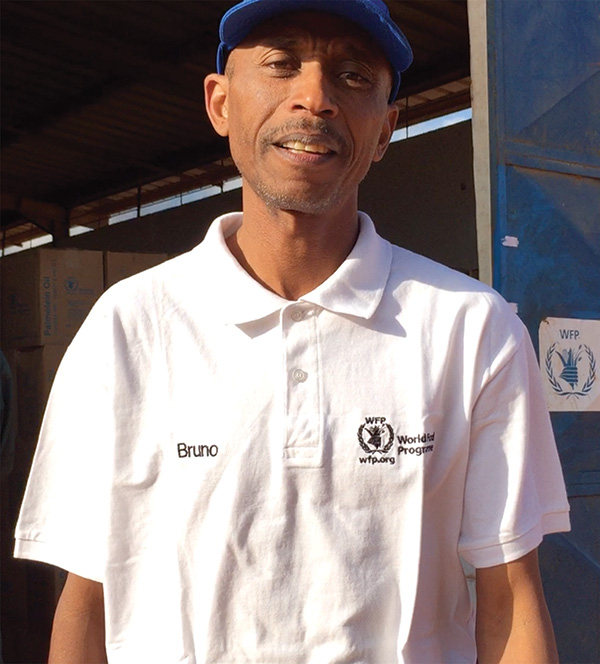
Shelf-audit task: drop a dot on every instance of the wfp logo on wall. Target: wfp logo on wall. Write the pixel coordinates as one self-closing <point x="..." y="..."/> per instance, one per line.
<point x="571" y="374"/>
<point x="569" y="349"/>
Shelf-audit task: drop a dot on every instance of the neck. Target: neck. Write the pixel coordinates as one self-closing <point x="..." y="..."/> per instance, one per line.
<point x="292" y="253"/>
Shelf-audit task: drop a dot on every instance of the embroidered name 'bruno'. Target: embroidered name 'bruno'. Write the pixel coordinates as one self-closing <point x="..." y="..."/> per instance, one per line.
<point x="186" y="451"/>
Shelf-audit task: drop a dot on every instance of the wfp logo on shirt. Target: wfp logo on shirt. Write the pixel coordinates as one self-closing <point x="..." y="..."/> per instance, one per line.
<point x="376" y="437"/>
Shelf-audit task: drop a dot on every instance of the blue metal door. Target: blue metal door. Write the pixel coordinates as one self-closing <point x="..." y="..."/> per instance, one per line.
<point x="544" y="95"/>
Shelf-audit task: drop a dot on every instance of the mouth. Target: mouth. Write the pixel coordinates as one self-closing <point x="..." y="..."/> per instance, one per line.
<point x="301" y="146"/>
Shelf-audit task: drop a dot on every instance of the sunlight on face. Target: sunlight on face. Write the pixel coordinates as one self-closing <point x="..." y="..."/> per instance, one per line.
<point x="307" y="111"/>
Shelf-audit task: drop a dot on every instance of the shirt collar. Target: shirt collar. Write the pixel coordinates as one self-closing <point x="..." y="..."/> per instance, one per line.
<point x="354" y="289"/>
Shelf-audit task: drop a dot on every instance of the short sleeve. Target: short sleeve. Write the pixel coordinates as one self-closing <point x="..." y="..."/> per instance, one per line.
<point x="514" y="491"/>
<point x="64" y="515"/>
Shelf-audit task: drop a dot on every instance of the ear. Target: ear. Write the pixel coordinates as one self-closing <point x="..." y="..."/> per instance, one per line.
<point x="387" y="129"/>
<point x="216" y="87"/>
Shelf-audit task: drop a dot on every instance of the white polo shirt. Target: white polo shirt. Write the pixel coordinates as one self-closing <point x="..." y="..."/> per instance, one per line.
<point x="258" y="480"/>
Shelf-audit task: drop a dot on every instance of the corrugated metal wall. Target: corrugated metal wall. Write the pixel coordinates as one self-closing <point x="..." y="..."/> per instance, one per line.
<point x="544" y="94"/>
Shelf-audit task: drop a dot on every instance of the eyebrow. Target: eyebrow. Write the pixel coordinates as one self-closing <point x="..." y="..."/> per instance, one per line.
<point x="279" y="41"/>
<point x="353" y="51"/>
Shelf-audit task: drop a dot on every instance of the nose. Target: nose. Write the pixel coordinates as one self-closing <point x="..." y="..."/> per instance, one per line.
<point x="314" y="92"/>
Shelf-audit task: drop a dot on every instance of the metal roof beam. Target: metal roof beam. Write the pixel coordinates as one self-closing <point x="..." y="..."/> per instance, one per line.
<point x="50" y="217"/>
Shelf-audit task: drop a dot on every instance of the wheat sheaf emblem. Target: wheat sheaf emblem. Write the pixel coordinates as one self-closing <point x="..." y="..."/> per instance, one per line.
<point x="376" y="438"/>
<point x="570" y="359"/>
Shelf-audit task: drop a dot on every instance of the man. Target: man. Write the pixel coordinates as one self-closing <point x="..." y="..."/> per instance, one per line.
<point x="278" y="447"/>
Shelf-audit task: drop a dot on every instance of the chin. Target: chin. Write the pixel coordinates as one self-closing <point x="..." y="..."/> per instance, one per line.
<point x="308" y="204"/>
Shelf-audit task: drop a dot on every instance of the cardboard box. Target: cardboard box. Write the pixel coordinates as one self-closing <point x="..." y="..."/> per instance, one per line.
<point x="120" y="265"/>
<point x="35" y="371"/>
<point x="46" y="294"/>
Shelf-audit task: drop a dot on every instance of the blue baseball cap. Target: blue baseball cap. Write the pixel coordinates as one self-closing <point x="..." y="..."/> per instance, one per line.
<point x="371" y="15"/>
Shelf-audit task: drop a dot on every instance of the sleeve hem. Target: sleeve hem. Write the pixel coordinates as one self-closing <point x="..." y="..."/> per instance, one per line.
<point x="28" y="549"/>
<point x="505" y="552"/>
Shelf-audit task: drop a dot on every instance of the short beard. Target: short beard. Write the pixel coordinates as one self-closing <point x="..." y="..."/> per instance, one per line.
<point x="303" y="204"/>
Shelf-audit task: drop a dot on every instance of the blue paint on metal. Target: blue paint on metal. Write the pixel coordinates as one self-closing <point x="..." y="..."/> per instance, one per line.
<point x="575" y="605"/>
<point x="544" y="67"/>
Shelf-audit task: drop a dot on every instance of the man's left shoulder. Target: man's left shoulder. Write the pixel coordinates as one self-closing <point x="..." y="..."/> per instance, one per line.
<point x="425" y="273"/>
<point x="445" y="298"/>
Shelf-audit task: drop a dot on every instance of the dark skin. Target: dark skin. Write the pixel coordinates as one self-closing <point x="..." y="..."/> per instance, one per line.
<point x="304" y="103"/>
<point x="78" y="629"/>
<point x="305" y="106"/>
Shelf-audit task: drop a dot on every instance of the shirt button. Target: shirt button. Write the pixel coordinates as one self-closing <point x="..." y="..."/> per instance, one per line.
<point x="297" y="315"/>
<point x="299" y="375"/>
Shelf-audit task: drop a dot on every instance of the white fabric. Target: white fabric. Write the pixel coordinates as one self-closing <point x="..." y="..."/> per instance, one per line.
<point x="206" y="454"/>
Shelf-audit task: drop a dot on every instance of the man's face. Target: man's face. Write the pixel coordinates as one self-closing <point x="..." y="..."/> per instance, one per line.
<point x="305" y="105"/>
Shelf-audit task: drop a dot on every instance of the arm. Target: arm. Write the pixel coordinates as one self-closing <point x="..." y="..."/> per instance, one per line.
<point x="513" y="624"/>
<point x="78" y="629"/>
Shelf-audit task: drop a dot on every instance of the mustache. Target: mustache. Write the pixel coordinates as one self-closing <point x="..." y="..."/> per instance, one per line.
<point x="315" y="128"/>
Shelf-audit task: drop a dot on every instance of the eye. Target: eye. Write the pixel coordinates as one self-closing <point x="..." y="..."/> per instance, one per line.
<point x="354" y="79"/>
<point x="355" y="76"/>
<point x="281" y="64"/>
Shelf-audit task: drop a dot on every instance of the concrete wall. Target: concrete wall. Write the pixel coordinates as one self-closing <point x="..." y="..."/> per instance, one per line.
<point x="420" y="196"/>
<point x="170" y="231"/>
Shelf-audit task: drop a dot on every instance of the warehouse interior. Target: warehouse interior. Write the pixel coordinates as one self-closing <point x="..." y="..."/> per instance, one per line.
<point x="103" y="112"/>
<point x="102" y="103"/>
